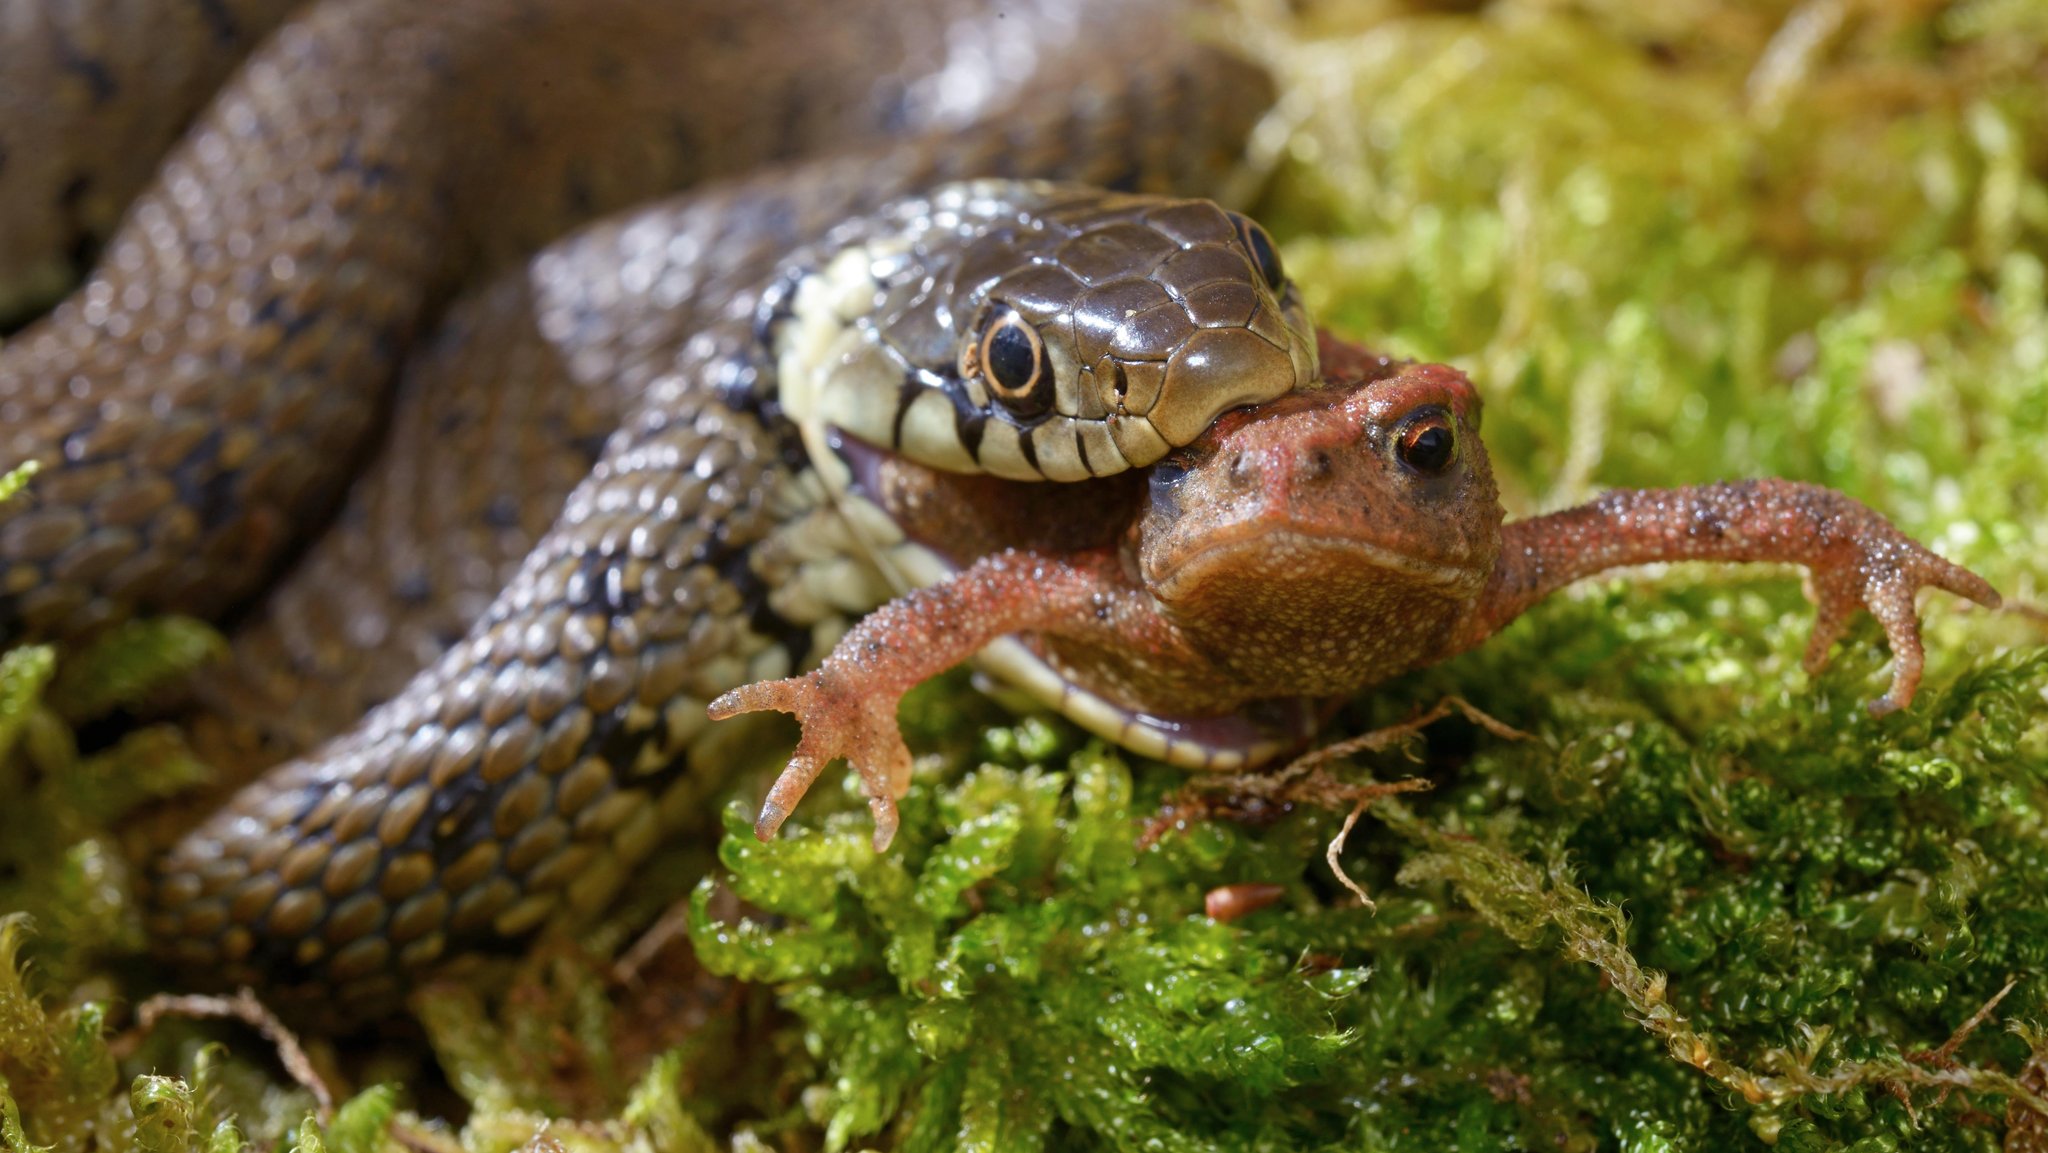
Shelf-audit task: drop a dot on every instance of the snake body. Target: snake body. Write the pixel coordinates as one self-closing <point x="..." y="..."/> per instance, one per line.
<point x="610" y="487"/>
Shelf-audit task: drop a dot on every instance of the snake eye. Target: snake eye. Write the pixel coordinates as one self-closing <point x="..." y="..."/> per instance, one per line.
<point x="1010" y="356"/>
<point x="1259" y="246"/>
<point x="1426" y="443"/>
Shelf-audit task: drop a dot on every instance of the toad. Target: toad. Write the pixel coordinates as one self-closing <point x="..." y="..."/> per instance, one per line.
<point x="1300" y="551"/>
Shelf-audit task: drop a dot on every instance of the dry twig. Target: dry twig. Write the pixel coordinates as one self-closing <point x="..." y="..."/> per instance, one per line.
<point x="246" y="1008"/>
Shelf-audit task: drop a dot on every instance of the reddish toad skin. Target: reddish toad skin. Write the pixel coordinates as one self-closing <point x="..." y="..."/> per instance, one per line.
<point x="1312" y="547"/>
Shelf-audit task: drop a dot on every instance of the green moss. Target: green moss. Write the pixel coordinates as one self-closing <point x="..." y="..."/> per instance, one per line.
<point x="16" y="479"/>
<point x="1711" y="905"/>
<point x="58" y="858"/>
<point x="1081" y="998"/>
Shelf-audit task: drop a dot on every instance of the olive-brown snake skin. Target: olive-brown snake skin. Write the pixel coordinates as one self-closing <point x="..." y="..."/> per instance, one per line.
<point x="343" y="377"/>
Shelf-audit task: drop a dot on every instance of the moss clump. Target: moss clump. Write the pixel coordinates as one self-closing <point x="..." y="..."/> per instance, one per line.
<point x="60" y="1085"/>
<point x="58" y="859"/>
<point x="1712" y="905"/>
<point x="1017" y="975"/>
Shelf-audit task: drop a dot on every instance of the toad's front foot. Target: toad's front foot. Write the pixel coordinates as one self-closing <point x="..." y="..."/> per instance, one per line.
<point x="839" y="719"/>
<point x="1866" y="563"/>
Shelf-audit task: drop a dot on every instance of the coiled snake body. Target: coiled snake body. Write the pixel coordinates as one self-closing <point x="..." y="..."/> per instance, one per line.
<point x="615" y="479"/>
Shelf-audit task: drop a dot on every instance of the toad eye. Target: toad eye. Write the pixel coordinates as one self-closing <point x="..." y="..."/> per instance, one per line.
<point x="1259" y="246"/>
<point x="1426" y="442"/>
<point x="1010" y="356"/>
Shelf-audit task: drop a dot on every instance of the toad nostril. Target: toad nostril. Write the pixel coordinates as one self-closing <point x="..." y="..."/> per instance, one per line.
<point x="1315" y="465"/>
<point x="1242" y="470"/>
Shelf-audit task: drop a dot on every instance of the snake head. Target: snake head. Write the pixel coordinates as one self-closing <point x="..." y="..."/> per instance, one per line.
<point x="1043" y="331"/>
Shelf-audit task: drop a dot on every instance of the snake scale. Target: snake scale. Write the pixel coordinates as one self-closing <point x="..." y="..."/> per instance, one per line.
<point x="391" y="357"/>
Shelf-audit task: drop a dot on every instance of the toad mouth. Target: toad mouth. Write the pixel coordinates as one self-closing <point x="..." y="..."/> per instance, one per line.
<point x="1263" y="542"/>
<point x="1236" y="740"/>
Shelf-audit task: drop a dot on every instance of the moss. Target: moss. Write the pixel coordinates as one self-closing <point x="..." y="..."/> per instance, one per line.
<point x="1711" y="905"/>
<point x="1081" y="998"/>
<point x="58" y="858"/>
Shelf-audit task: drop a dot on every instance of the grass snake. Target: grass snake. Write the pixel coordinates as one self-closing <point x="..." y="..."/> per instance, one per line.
<point x="456" y="357"/>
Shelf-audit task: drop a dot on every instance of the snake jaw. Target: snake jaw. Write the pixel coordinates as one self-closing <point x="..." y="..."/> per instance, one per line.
<point x="1226" y="743"/>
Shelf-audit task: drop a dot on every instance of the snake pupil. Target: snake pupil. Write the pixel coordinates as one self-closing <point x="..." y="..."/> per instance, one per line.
<point x="1259" y="246"/>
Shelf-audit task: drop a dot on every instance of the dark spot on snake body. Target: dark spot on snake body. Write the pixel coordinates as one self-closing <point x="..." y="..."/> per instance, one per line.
<point x="84" y="250"/>
<point x="794" y="113"/>
<point x="733" y="564"/>
<point x="591" y="446"/>
<point x="385" y="341"/>
<point x="437" y="63"/>
<point x="220" y="20"/>
<point x="87" y="68"/>
<point x="578" y="195"/>
<point x="207" y="490"/>
<point x="294" y="324"/>
<point x="351" y="161"/>
<point x="503" y="512"/>
<point x="750" y="389"/>
<point x="451" y="826"/>
<point x="892" y="98"/>
<point x="414" y="588"/>
<point x="514" y="124"/>
<point x="684" y="138"/>
<point x="615" y="742"/>
<point x="778" y="304"/>
<point x="619" y="746"/>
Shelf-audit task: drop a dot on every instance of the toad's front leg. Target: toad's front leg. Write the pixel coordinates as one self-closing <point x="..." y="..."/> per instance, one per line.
<point x="847" y="706"/>
<point x="1858" y="559"/>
